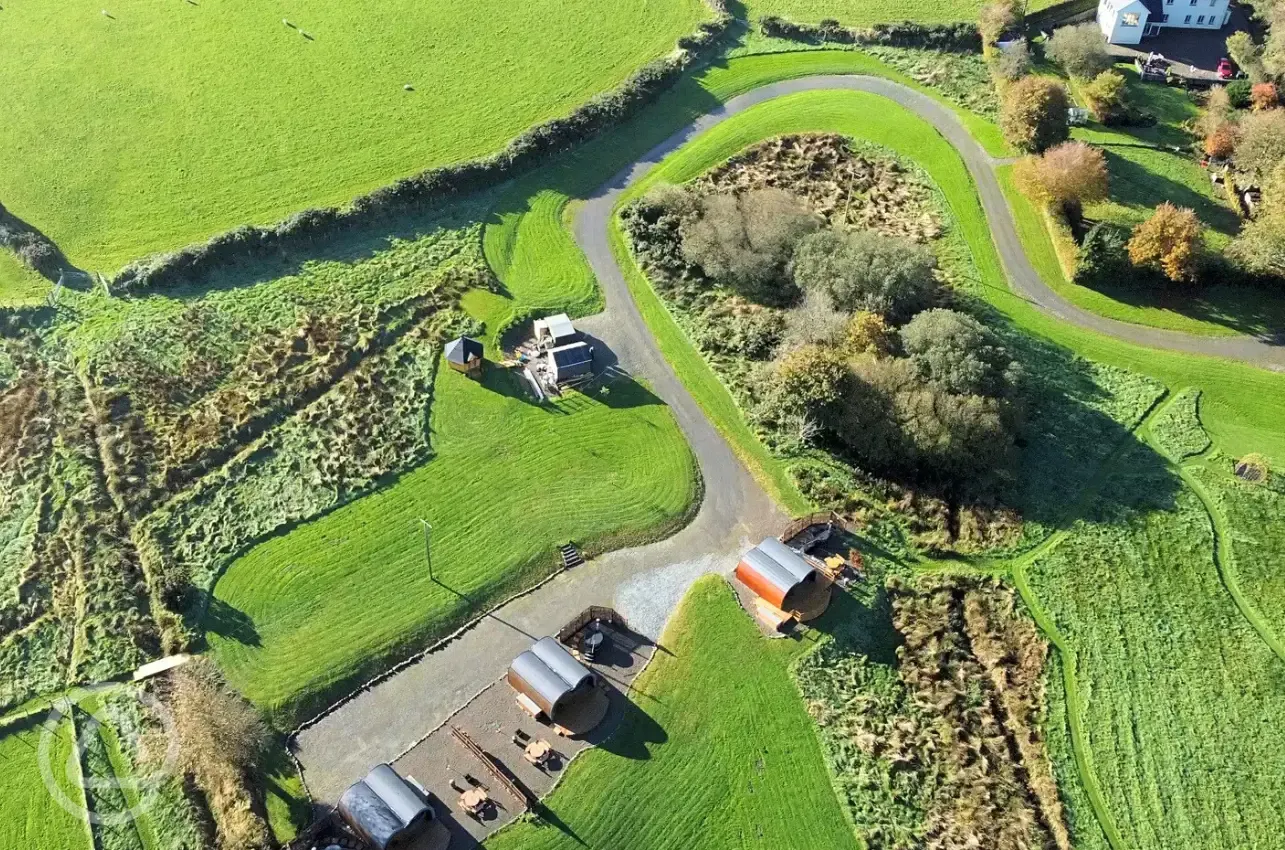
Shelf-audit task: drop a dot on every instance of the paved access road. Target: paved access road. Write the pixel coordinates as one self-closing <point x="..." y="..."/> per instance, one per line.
<point x="646" y="582"/>
<point x="591" y="226"/>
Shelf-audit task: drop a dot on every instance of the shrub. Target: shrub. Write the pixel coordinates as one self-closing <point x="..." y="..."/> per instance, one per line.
<point x="1066" y="176"/>
<point x="1238" y="92"/>
<point x="811" y="379"/>
<point x="864" y="270"/>
<point x="960" y="37"/>
<point x="1033" y="114"/>
<point x="1103" y="257"/>
<point x="743" y="240"/>
<point x="1262" y="144"/>
<point x="869" y="333"/>
<point x="1168" y="241"/>
<point x="1247" y="55"/>
<point x="1079" y="49"/>
<point x="1013" y="62"/>
<point x="957" y="353"/>
<point x="1264" y="96"/>
<point x="1105" y="95"/>
<point x="1260" y="246"/>
<point x="1221" y="142"/>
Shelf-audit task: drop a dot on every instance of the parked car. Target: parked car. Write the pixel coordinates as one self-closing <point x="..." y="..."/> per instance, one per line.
<point x="1225" y="69"/>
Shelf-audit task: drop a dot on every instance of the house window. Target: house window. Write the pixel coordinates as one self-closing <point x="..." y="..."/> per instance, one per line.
<point x="1187" y="19"/>
<point x="1168" y="2"/>
<point x="1164" y="19"/>
<point x="1129" y="19"/>
<point x="1200" y="20"/>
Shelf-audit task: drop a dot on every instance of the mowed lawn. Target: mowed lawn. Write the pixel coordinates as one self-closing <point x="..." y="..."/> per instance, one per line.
<point x="161" y="123"/>
<point x="29" y="816"/>
<point x="719" y="754"/>
<point x="337" y="598"/>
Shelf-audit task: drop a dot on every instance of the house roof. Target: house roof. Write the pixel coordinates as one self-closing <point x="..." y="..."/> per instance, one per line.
<point x="571" y="355"/>
<point x="1116" y="6"/>
<point x="549" y="673"/>
<point x="463" y="350"/>
<point x="1155" y="10"/>
<point x="559" y="326"/>
<point x="383" y="808"/>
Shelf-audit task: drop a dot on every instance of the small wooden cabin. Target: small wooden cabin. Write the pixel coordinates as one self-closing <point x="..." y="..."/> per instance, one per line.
<point x="465" y="355"/>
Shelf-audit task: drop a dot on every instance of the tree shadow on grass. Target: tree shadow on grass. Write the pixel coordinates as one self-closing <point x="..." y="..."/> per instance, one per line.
<point x="863" y="629"/>
<point x="227" y="622"/>
<point x="1136" y="185"/>
<point x="634" y="735"/>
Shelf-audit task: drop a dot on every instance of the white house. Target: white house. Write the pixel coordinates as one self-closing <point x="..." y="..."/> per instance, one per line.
<point x="1127" y="21"/>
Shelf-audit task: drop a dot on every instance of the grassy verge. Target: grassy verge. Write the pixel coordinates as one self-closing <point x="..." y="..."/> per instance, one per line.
<point x="718" y="745"/>
<point x="19" y="285"/>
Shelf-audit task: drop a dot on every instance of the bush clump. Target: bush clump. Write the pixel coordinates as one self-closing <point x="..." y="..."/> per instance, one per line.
<point x="865" y="270"/>
<point x="744" y="240"/>
<point x="1080" y="49"/>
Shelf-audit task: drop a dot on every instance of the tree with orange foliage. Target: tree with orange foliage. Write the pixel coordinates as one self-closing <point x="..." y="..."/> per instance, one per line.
<point x="1065" y="177"/>
<point x="1221" y="142"/>
<point x="1264" y="96"/>
<point x="1169" y="241"/>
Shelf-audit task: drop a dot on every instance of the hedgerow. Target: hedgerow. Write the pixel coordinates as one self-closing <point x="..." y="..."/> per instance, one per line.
<point x="962" y="36"/>
<point x="308" y="227"/>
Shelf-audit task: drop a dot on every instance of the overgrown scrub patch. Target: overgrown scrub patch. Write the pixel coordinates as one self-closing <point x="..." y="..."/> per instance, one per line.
<point x="716" y="745"/>
<point x="939" y="745"/>
<point x="961" y="76"/>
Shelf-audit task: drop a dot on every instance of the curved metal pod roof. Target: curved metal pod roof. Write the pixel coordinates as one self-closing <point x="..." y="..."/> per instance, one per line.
<point x="773" y="571"/>
<point x="383" y="809"/>
<point x="548" y="674"/>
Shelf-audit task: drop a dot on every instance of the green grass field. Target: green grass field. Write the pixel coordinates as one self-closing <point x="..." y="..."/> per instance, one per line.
<point x="30" y="817"/>
<point x="337" y="597"/>
<point x="1182" y="696"/>
<point x="719" y="752"/>
<point x="168" y="122"/>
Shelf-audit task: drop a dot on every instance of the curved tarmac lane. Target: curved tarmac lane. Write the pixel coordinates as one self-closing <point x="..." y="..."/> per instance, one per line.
<point x="380" y="723"/>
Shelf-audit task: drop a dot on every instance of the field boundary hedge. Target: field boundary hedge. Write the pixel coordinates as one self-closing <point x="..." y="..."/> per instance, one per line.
<point x="310" y="226"/>
<point x="961" y="37"/>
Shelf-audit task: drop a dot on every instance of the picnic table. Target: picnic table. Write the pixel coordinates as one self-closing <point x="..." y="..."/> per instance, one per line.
<point x="473" y="800"/>
<point x="538" y="752"/>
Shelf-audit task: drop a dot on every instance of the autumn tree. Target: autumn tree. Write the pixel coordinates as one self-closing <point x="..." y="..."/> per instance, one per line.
<point x="1105" y="95"/>
<point x="1064" y="177"/>
<point x="997" y="18"/>
<point x="1013" y="62"/>
<point x="1263" y="96"/>
<point x="1262" y="144"/>
<point x="1217" y="112"/>
<point x="1221" y="142"/>
<point x="1080" y="49"/>
<point x="1247" y="55"/>
<point x="1033" y="114"/>
<point x="1169" y="241"/>
<point x="810" y="379"/>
